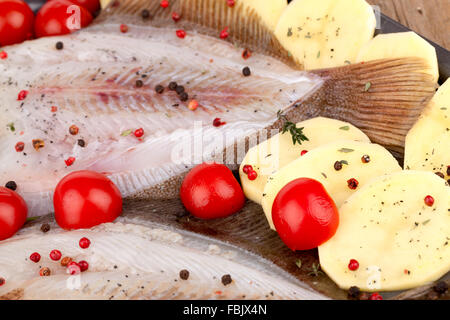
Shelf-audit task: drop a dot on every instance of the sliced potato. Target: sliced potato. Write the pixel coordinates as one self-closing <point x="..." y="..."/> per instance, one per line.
<point x="319" y="163"/>
<point x="399" y="242"/>
<point x="269" y="10"/>
<point x="326" y="33"/>
<point x="400" y="45"/>
<point x="269" y="156"/>
<point x="427" y="143"/>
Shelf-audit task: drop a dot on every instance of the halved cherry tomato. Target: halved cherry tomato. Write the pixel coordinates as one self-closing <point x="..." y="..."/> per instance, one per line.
<point x="13" y="213"/>
<point x="58" y="17"/>
<point x="16" y="22"/>
<point x="84" y="199"/>
<point x="304" y="214"/>
<point x="91" y="5"/>
<point x="211" y="191"/>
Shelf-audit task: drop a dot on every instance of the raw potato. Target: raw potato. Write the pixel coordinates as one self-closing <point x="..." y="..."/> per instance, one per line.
<point x="326" y="33"/>
<point x="427" y="143"/>
<point x="399" y="242"/>
<point x="319" y="163"/>
<point x="269" y="10"/>
<point x="400" y="45"/>
<point x="276" y="152"/>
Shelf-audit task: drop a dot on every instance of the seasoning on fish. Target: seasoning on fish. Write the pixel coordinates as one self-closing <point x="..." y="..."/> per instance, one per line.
<point x="35" y="257"/>
<point x="184" y="274"/>
<point x="38" y="144"/>
<point x="19" y="146"/>
<point x="352" y="183"/>
<point x="65" y="261"/>
<point x="45" y="272"/>
<point x="246" y="71"/>
<point x="226" y="279"/>
<point x="11" y="185"/>
<point x="224" y="33"/>
<point x="22" y="95"/>
<point x="3" y="55"/>
<point x="159" y="89"/>
<point x="175" y="16"/>
<point x="145" y="14"/>
<point x="59" y="45"/>
<point x="73" y="130"/>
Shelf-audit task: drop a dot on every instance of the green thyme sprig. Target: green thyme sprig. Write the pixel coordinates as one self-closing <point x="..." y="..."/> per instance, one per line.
<point x="288" y="126"/>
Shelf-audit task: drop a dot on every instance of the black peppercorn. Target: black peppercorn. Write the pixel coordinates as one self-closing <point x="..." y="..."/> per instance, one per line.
<point x="246" y="71"/>
<point x="81" y="143"/>
<point x="338" y="165"/>
<point x="441" y="287"/>
<point x="159" y="88"/>
<point x="59" y="45"/>
<point x="11" y="185"/>
<point x="173" y="85"/>
<point x="145" y="14"/>
<point x="184" y="96"/>
<point x="354" y="292"/>
<point x="184" y="274"/>
<point x="226" y="279"/>
<point x="139" y="83"/>
<point x="45" y="228"/>
<point x="179" y="89"/>
<point x="440" y="174"/>
<point x="365" y="159"/>
<point x="448" y="170"/>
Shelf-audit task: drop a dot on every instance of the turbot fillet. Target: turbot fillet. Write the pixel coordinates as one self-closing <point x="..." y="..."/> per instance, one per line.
<point x="106" y="84"/>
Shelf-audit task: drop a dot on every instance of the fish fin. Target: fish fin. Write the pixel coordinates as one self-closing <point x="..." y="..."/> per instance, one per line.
<point x="245" y="27"/>
<point x="384" y="98"/>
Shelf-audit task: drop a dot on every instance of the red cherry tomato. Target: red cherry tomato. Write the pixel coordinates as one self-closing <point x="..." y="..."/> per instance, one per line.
<point x="211" y="191"/>
<point x="84" y="199"/>
<point x="13" y="213"/>
<point x="304" y="214"/>
<point x="91" y="5"/>
<point x="58" y="17"/>
<point x="16" y="22"/>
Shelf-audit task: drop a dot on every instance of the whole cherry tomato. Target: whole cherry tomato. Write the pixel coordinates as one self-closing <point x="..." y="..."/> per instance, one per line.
<point x="91" y="5"/>
<point x="58" y="17"/>
<point x="16" y="22"/>
<point x="304" y="214"/>
<point x="13" y="213"/>
<point x="84" y="199"/>
<point x="211" y="191"/>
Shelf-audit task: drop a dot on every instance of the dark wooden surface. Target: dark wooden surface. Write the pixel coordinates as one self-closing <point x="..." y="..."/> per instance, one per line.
<point x="430" y="18"/>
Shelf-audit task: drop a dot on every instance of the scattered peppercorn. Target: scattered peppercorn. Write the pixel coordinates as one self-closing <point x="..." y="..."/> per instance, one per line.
<point x="81" y="143"/>
<point x="448" y="170"/>
<point x="440" y="174"/>
<point x="69" y="161"/>
<point x="217" y="122"/>
<point x="365" y="159"/>
<point x="180" y="33"/>
<point x="441" y="287"/>
<point x="44" y="272"/>
<point x="139" y="83"/>
<point x="54" y="108"/>
<point x="164" y="3"/>
<point x="45" y="228"/>
<point x="226" y="279"/>
<point x="145" y="14"/>
<point x="353" y="265"/>
<point x="173" y="85"/>
<point x="175" y="16"/>
<point x="84" y="243"/>
<point x="19" y="146"/>
<point x="159" y="89"/>
<point x="224" y="33"/>
<point x="352" y="183"/>
<point x="354" y="292"/>
<point x="193" y="105"/>
<point x="83" y="265"/>
<point x="179" y="89"/>
<point x="252" y="175"/>
<point x="246" y="54"/>
<point x="11" y="185"/>
<point x="246" y="71"/>
<point x="2" y="281"/>
<point x="247" y="168"/>
<point x="123" y="28"/>
<point x="59" y="45"/>
<point x="184" y="274"/>
<point x="35" y="257"/>
<point x="231" y="3"/>
<point x="38" y="144"/>
<point x="3" y="55"/>
<point x="65" y="261"/>
<point x="73" y="130"/>
<point x="22" y="95"/>
<point x="375" y="296"/>
<point x="139" y="133"/>
<point x="429" y="201"/>
<point x="184" y="96"/>
<point x="55" y="255"/>
<point x="73" y="268"/>
<point x="337" y="165"/>
<point x="303" y="152"/>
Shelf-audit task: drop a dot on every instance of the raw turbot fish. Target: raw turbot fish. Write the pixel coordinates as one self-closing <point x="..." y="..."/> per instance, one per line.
<point x="103" y="85"/>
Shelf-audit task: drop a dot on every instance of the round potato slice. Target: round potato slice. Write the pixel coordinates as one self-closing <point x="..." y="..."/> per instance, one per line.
<point x="427" y="143"/>
<point x="326" y="33"/>
<point x="399" y="241"/>
<point x="269" y="156"/>
<point x="400" y="45"/>
<point x="319" y="164"/>
<point x="269" y="10"/>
